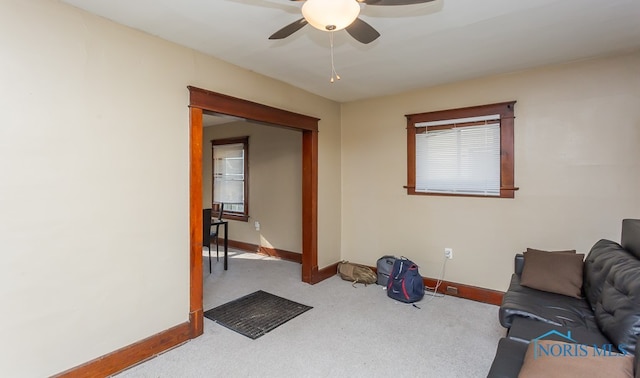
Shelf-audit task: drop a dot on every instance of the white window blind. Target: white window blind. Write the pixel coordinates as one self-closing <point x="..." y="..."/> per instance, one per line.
<point x="228" y="176"/>
<point x="459" y="160"/>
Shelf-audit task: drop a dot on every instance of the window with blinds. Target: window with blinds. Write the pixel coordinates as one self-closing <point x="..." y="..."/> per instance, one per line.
<point x="462" y="152"/>
<point x="459" y="156"/>
<point x="230" y="175"/>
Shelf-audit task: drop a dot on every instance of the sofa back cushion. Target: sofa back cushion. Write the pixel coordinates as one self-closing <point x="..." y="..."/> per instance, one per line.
<point x="603" y="255"/>
<point x="631" y="236"/>
<point x="618" y="307"/>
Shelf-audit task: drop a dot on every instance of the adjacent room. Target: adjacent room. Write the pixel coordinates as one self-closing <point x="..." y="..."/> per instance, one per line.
<point x="472" y="138"/>
<point x="271" y="213"/>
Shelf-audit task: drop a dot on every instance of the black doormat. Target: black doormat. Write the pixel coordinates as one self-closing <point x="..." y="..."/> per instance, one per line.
<point x="256" y="314"/>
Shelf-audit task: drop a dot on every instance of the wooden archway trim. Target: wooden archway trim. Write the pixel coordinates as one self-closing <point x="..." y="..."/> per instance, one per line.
<point x="220" y="103"/>
<point x="201" y="100"/>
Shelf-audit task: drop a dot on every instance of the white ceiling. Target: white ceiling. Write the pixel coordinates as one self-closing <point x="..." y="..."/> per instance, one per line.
<point x="420" y="45"/>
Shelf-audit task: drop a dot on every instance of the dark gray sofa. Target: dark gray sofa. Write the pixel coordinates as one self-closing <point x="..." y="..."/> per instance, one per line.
<point x="608" y="313"/>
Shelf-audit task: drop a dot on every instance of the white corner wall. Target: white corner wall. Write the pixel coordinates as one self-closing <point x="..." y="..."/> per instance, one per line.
<point x="577" y="163"/>
<point x="94" y="191"/>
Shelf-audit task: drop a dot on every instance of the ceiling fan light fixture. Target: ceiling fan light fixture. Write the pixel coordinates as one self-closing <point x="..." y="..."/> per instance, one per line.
<point x="330" y="15"/>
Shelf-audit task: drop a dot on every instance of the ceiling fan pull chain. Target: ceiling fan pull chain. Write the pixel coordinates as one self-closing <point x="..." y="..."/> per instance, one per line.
<point x="334" y="74"/>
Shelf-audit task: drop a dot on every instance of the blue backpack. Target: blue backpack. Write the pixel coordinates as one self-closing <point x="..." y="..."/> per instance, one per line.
<point x="405" y="282"/>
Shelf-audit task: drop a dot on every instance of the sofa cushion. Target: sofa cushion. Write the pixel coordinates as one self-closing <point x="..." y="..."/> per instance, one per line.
<point x="573" y="360"/>
<point x="559" y="273"/>
<point x="618" y="307"/>
<point x="526" y="329"/>
<point x="548" y="307"/>
<point x="540" y="250"/>
<point x="602" y="256"/>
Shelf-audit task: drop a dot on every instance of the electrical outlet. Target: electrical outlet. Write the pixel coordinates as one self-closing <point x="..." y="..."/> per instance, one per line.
<point x="448" y="253"/>
<point x="257" y="225"/>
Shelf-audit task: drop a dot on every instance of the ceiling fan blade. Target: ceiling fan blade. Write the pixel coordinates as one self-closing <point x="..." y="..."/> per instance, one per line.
<point x="394" y="2"/>
<point x="362" y="31"/>
<point x="289" y="29"/>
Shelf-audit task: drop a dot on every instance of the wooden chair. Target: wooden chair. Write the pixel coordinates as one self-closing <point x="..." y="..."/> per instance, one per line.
<point x="206" y="232"/>
<point x="217" y="210"/>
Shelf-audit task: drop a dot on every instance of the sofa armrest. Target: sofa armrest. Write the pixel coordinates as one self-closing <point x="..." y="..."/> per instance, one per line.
<point x="637" y="362"/>
<point x="631" y="236"/>
<point x="518" y="264"/>
<point x="508" y="359"/>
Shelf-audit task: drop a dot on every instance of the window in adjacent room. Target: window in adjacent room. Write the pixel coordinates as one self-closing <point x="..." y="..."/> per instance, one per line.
<point x="231" y="176"/>
<point x="462" y="152"/>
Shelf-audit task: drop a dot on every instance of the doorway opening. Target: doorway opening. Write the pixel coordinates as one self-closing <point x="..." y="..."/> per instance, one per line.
<point x="200" y="101"/>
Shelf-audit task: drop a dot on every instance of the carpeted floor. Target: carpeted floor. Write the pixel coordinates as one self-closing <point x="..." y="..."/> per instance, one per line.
<point x="351" y="332"/>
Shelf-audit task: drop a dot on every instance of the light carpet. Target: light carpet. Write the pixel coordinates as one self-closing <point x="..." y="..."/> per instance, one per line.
<point x="351" y="332"/>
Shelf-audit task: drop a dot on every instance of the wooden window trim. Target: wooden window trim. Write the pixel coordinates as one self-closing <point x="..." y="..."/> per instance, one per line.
<point x="506" y="112"/>
<point x="243" y="217"/>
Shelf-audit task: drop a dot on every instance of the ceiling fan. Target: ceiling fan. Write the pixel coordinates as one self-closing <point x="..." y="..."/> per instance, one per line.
<point x="333" y="15"/>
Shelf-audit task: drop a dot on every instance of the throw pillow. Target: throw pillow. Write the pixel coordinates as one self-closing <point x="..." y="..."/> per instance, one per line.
<point x="573" y="360"/>
<point x="559" y="273"/>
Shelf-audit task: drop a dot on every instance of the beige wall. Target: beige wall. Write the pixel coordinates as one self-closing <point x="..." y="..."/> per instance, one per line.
<point x="577" y="164"/>
<point x="94" y="196"/>
<point x="94" y="193"/>
<point x="275" y="184"/>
